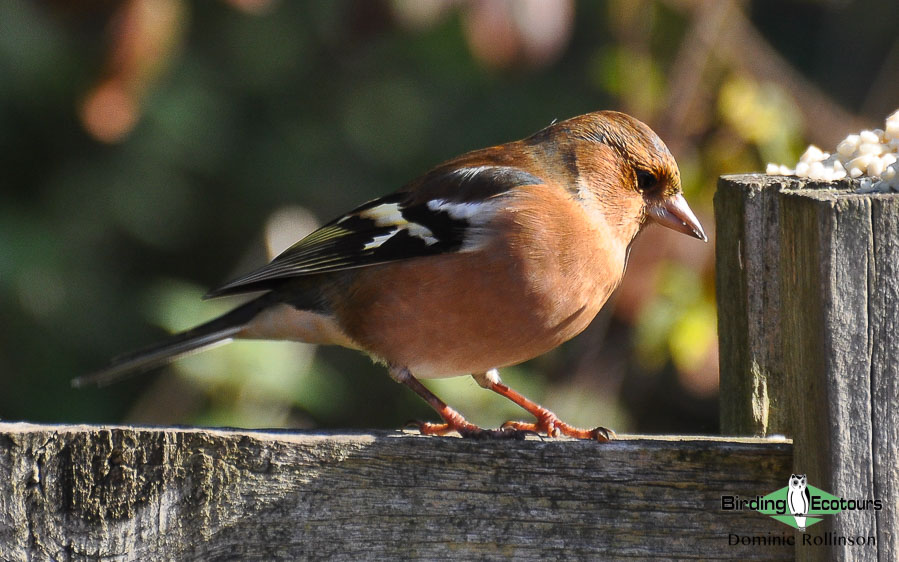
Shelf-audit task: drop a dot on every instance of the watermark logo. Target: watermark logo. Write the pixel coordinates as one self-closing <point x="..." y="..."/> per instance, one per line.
<point x="799" y="504"/>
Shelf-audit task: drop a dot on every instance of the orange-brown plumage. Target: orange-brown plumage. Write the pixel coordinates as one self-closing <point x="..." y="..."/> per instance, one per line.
<point x="530" y="295"/>
<point x="488" y="260"/>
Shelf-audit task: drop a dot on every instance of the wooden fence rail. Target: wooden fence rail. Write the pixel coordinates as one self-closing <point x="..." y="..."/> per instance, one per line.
<point x="126" y="493"/>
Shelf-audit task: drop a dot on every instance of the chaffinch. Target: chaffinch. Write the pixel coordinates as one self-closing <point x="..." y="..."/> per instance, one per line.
<point x="488" y="260"/>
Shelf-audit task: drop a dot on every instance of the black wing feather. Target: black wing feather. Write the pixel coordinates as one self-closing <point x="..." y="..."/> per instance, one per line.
<point x="352" y="240"/>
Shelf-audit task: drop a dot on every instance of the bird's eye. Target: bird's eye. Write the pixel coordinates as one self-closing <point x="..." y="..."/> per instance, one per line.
<point x="646" y="180"/>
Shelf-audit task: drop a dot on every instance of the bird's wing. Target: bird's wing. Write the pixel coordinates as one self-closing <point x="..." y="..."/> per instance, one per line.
<point x="436" y="214"/>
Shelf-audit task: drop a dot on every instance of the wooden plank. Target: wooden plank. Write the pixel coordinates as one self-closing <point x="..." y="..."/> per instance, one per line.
<point x="827" y="235"/>
<point x="747" y="250"/>
<point x="132" y="493"/>
<point x="831" y="280"/>
<point x="884" y="335"/>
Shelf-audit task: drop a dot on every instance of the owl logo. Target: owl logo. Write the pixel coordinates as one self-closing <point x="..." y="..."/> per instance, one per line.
<point x="798" y="498"/>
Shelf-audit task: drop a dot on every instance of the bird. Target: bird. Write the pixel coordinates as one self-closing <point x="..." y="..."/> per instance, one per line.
<point x="487" y="260"/>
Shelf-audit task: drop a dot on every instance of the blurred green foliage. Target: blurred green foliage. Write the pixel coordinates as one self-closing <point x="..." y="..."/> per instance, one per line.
<point x="105" y="246"/>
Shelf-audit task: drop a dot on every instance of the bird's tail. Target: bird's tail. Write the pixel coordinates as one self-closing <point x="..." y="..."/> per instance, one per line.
<point x="215" y="332"/>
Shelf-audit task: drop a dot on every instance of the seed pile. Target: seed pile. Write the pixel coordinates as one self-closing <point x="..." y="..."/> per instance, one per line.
<point x="871" y="156"/>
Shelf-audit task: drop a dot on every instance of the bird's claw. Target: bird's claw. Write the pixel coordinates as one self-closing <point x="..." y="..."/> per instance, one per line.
<point x="466" y="430"/>
<point x="550" y="425"/>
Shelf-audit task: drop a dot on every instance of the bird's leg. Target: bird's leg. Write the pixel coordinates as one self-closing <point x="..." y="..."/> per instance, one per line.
<point x="453" y="420"/>
<point x="547" y="422"/>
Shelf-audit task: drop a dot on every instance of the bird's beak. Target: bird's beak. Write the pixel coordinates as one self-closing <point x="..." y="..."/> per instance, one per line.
<point x="675" y="214"/>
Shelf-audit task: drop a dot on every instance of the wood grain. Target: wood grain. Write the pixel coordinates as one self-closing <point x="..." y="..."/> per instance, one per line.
<point x="747" y="251"/>
<point x="808" y="309"/>
<point x="884" y="334"/>
<point x="130" y="493"/>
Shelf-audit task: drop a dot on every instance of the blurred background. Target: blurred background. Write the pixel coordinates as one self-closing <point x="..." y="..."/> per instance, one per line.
<point x="153" y="149"/>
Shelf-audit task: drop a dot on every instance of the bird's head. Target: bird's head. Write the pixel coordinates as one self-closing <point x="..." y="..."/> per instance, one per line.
<point x="646" y="181"/>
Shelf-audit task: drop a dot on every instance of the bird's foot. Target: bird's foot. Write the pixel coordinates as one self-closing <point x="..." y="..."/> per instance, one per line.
<point x="467" y="430"/>
<point x="550" y="425"/>
<point x="547" y="422"/>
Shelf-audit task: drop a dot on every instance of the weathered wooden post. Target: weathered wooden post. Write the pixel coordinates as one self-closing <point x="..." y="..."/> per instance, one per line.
<point x="747" y="210"/>
<point x="808" y="308"/>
